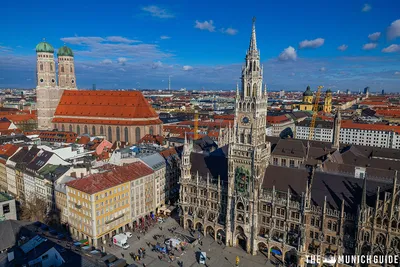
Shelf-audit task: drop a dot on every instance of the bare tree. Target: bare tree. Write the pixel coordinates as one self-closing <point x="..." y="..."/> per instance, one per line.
<point x="34" y="210"/>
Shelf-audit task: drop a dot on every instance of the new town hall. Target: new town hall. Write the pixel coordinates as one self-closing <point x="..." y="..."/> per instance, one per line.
<point x="290" y="198"/>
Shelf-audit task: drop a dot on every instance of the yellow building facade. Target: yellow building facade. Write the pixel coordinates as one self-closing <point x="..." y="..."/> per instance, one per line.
<point x="100" y="205"/>
<point x="308" y="102"/>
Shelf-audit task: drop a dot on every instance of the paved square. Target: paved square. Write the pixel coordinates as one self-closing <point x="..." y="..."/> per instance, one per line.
<point x="218" y="255"/>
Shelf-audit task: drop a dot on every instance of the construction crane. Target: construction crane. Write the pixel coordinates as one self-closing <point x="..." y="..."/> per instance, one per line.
<point x="315" y="112"/>
<point x="196" y="124"/>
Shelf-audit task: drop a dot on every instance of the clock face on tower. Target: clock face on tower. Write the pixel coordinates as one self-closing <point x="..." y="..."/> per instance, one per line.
<point x="245" y="120"/>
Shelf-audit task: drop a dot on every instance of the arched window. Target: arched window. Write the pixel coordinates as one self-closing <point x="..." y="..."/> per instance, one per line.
<point x="62" y="68"/>
<point x="366" y="237"/>
<point x="151" y="130"/>
<point x="329" y="225"/>
<point x="126" y="134"/>
<point x="254" y="90"/>
<point x="62" y="127"/>
<point x="86" y="129"/>
<point x="41" y="66"/>
<point x="109" y="134"/>
<point x="334" y="226"/>
<point x="380" y="239"/>
<point x="70" y="128"/>
<point x="101" y="130"/>
<point x="240" y="206"/>
<point x="78" y="130"/>
<point x="254" y="66"/>
<point x="249" y="138"/>
<point x="70" y="69"/>
<point x="118" y="134"/>
<point x="137" y="133"/>
<point x="51" y="66"/>
<point x="93" y="130"/>
<point x="248" y="90"/>
<point x="242" y="138"/>
<point x="379" y="221"/>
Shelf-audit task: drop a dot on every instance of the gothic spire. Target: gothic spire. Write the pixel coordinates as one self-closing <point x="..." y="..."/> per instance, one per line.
<point x="253" y="41"/>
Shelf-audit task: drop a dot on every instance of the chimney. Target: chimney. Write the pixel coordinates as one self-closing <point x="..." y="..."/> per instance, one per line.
<point x="82" y="175"/>
<point x="73" y="174"/>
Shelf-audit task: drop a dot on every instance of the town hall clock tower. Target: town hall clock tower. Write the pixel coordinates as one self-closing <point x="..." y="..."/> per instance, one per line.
<point x="249" y="154"/>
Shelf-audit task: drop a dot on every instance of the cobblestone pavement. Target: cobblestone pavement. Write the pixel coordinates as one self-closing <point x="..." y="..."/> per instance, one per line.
<point x="218" y="255"/>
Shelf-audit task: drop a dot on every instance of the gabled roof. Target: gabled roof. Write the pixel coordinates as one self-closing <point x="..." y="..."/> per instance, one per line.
<point x="104" y="104"/>
<point x="115" y="176"/>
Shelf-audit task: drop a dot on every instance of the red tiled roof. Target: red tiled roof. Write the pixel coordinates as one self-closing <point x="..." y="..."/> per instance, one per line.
<point x="84" y="140"/>
<point x="277" y="119"/>
<point x="106" y="122"/>
<point x="8" y="150"/>
<point x="105" y="104"/>
<point x="153" y="139"/>
<point x="168" y="152"/>
<point x="118" y="175"/>
<point x="18" y="118"/>
<point x="56" y="136"/>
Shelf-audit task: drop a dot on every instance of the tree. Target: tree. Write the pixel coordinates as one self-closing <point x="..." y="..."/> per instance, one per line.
<point x="34" y="210"/>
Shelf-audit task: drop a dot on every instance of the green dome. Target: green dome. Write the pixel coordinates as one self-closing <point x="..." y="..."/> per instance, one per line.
<point x="65" y="51"/>
<point x="44" y="47"/>
<point x="308" y="92"/>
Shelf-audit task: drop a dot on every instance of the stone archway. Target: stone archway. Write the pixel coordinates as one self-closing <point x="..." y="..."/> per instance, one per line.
<point x="276" y="255"/>
<point x="263" y="249"/>
<point x="210" y="231"/>
<point x="241" y="238"/>
<point x="189" y="224"/>
<point x="221" y="236"/>
<point x="199" y="227"/>
<point x="291" y="257"/>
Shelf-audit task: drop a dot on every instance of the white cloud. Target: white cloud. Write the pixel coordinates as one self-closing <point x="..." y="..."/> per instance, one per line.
<point x="164" y="37"/>
<point x="397" y="73"/>
<point x="122" y="60"/>
<point x="106" y="61"/>
<point x="394" y="30"/>
<point x="374" y="36"/>
<point x="158" y="12"/>
<point x="120" y="39"/>
<point x="391" y="49"/>
<point x="230" y="31"/>
<point x="122" y="69"/>
<point x="369" y="46"/>
<point x="322" y="69"/>
<point x="187" y="68"/>
<point x="288" y="54"/>
<point x="157" y="65"/>
<point x="206" y="25"/>
<point x="366" y="8"/>
<point x="311" y="43"/>
<point x="82" y="40"/>
<point x="97" y="47"/>
<point x="343" y="47"/>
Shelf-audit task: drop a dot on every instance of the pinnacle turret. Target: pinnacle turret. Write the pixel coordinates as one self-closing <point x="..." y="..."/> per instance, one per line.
<point x="253" y="39"/>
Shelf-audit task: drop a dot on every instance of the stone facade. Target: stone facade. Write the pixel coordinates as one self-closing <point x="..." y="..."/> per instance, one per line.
<point x="48" y="92"/>
<point x="286" y="212"/>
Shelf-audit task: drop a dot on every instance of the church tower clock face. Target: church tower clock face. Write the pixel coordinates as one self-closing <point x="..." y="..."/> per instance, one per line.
<point x="245" y="120"/>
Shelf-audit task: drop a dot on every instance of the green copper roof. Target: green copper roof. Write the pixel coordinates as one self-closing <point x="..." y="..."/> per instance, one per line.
<point x="44" y="47"/>
<point x="308" y="92"/>
<point x="65" y="51"/>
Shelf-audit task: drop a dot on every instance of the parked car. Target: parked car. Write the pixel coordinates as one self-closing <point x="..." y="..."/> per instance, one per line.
<point x="128" y="234"/>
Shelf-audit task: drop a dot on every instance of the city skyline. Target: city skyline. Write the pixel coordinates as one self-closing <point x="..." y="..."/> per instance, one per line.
<point x="202" y="45"/>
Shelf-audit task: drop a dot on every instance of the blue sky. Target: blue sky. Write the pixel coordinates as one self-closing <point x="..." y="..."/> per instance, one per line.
<point x="138" y="44"/>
